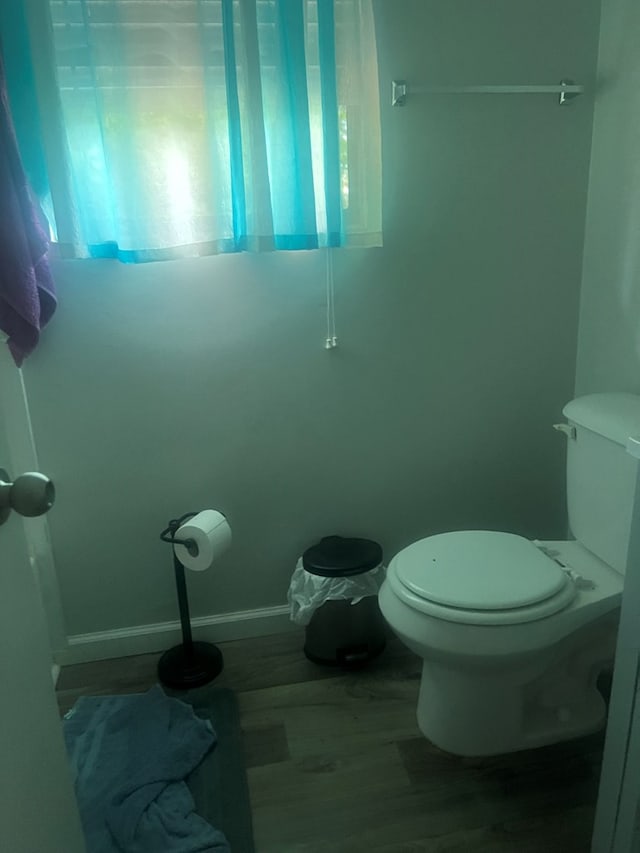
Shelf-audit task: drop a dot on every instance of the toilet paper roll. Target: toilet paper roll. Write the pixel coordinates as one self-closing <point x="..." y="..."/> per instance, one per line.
<point x="210" y="537"/>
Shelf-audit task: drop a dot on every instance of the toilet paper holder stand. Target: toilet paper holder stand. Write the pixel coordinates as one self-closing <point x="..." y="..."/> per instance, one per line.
<point x="190" y="664"/>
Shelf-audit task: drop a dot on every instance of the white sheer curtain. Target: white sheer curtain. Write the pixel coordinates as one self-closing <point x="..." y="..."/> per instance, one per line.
<point x="185" y="127"/>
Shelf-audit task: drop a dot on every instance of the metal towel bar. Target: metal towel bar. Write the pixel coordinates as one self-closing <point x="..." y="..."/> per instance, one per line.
<point x="567" y="90"/>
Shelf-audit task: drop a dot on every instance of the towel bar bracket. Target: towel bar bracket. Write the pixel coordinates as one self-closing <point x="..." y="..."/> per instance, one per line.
<point x="569" y="92"/>
<point x="398" y="93"/>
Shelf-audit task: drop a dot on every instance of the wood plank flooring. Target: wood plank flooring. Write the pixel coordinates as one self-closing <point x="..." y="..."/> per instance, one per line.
<point x="336" y="762"/>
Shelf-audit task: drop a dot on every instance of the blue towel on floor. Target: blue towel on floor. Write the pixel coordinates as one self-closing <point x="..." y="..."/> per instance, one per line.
<point x="130" y="756"/>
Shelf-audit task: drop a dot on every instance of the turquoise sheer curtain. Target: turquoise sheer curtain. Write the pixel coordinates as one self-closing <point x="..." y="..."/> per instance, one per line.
<point x="190" y="127"/>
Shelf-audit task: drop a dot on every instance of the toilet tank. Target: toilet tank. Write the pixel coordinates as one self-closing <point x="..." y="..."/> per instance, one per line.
<point x="601" y="474"/>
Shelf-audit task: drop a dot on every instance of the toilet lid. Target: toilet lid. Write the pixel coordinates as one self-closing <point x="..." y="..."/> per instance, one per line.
<point x="479" y="570"/>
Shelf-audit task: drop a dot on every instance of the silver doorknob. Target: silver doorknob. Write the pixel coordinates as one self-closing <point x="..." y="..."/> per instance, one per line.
<point x="30" y="494"/>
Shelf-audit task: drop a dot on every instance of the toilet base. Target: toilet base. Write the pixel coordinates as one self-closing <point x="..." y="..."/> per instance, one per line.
<point x="511" y="704"/>
<point x="475" y="715"/>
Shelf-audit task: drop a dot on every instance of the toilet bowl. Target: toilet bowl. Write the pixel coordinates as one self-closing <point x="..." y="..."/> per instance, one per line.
<point x="514" y="633"/>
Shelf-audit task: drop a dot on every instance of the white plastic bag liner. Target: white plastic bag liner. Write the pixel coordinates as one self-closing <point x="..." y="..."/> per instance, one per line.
<point x="308" y="592"/>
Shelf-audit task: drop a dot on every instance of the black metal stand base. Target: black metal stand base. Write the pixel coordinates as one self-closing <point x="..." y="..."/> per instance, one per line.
<point x="180" y="670"/>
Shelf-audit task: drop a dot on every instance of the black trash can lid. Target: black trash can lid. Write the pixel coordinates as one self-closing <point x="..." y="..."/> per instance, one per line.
<point x="337" y="556"/>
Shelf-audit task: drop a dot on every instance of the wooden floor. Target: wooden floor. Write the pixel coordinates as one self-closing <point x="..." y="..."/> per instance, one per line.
<point x="336" y="762"/>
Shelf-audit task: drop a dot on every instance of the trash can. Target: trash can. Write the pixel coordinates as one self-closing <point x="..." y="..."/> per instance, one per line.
<point x="334" y="592"/>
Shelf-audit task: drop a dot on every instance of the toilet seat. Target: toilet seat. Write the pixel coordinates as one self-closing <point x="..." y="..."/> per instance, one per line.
<point x="480" y="577"/>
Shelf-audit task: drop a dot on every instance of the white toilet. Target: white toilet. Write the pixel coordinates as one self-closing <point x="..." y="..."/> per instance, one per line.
<point x="513" y="634"/>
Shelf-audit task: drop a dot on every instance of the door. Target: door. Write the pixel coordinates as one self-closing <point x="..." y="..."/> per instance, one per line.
<point x="38" y="811"/>
<point x="617" y="824"/>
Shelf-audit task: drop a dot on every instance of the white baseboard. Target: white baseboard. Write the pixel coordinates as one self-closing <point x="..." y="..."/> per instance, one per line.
<point x="141" y="639"/>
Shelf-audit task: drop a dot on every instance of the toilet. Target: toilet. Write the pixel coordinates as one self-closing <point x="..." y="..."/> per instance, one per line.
<point x="514" y="633"/>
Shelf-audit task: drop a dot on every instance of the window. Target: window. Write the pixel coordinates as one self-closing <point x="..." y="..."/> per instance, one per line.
<point x="185" y="127"/>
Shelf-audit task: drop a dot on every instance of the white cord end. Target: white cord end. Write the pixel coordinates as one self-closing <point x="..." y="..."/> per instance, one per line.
<point x="331" y="341"/>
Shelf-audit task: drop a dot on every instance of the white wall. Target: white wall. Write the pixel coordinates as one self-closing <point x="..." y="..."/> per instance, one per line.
<point x="609" y="339"/>
<point x="169" y="387"/>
